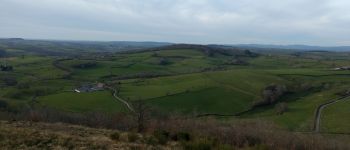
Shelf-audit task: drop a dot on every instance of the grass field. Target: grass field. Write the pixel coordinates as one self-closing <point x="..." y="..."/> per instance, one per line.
<point x="301" y="110"/>
<point x="35" y="66"/>
<point x="189" y="82"/>
<point x="210" y="100"/>
<point x="335" y="118"/>
<point x="179" y="61"/>
<point x="83" y="102"/>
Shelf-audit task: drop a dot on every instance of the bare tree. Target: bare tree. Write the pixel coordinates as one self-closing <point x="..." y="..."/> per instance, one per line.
<point x="271" y="94"/>
<point x="142" y="114"/>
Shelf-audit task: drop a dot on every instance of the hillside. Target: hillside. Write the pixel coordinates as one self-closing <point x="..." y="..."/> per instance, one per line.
<point x="294" y="47"/>
<point x="185" y="79"/>
<point x="18" y="46"/>
<point x="26" y="135"/>
<point x="188" y="135"/>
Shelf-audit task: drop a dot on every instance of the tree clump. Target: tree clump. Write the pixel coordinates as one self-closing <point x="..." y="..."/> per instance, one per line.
<point x="281" y="108"/>
<point x="86" y="65"/>
<point x="9" y="80"/>
<point x="271" y="94"/>
<point x="3" y="53"/>
<point x="163" y="61"/>
<point x="3" y="104"/>
<point x="237" y="62"/>
<point x="6" y="68"/>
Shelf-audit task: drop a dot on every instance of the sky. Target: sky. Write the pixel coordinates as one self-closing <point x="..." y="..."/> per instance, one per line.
<point x="310" y="22"/>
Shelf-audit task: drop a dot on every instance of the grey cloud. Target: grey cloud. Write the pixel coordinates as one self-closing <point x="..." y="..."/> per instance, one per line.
<point x="317" y="22"/>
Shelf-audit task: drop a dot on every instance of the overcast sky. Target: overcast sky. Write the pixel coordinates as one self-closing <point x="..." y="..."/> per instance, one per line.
<point x="313" y="22"/>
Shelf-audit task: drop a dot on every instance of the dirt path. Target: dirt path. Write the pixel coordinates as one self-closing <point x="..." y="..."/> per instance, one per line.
<point x="317" y="120"/>
<point x="121" y="100"/>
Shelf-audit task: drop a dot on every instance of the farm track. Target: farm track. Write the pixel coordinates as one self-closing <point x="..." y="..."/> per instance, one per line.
<point x="121" y="100"/>
<point x="317" y="120"/>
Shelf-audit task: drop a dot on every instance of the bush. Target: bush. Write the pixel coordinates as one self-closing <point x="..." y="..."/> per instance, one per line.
<point x="9" y="81"/>
<point x="115" y="136"/>
<point x="281" y="108"/>
<point x="3" y="53"/>
<point x="3" y="104"/>
<point x="133" y="137"/>
<point x="151" y="140"/>
<point x="23" y="85"/>
<point x="162" y="136"/>
<point x="2" y="137"/>
<point x="181" y="136"/>
<point x="85" y="65"/>
<point x="164" y="61"/>
<point x="271" y="94"/>
<point x="198" y="145"/>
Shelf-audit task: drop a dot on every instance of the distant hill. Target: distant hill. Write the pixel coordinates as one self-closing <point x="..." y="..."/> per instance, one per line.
<point x="210" y="50"/>
<point x="293" y="47"/>
<point x="19" y="46"/>
<point x="51" y="47"/>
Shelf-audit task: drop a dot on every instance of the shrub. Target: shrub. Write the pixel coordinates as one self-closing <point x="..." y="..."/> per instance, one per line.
<point x="23" y="85"/>
<point x="133" y="137"/>
<point x="115" y="136"/>
<point x="198" y="145"/>
<point x="151" y="140"/>
<point x="181" y="136"/>
<point x="2" y="137"/>
<point x="271" y="94"/>
<point x="162" y="136"/>
<point x="85" y="65"/>
<point x="164" y="61"/>
<point x="155" y="54"/>
<point x="9" y="81"/>
<point x="281" y="108"/>
<point x="3" y="53"/>
<point x="3" y="104"/>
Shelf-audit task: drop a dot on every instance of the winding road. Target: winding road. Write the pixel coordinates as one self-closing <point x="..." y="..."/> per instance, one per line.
<point x="317" y="121"/>
<point x="121" y="100"/>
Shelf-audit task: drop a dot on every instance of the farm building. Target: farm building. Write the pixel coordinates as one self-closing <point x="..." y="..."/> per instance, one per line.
<point x="89" y="88"/>
<point x="343" y="68"/>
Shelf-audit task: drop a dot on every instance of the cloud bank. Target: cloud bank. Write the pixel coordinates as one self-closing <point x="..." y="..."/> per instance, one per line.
<point x="316" y="22"/>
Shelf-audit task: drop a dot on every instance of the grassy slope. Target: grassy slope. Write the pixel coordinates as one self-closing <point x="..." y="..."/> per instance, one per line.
<point x="25" y="135"/>
<point x="212" y="92"/>
<point x="302" y="106"/>
<point x="225" y="92"/>
<point x="83" y="102"/>
<point x="35" y="66"/>
<point x="211" y="100"/>
<point x="335" y="118"/>
<point x="146" y="62"/>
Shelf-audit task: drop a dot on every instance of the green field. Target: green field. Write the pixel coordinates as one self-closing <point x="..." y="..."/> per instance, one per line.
<point x="83" y="102"/>
<point x="187" y="81"/>
<point x="211" y="100"/>
<point x="335" y="118"/>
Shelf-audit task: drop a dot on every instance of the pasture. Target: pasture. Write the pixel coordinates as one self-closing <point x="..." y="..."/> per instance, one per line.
<point x="186" y="81"/>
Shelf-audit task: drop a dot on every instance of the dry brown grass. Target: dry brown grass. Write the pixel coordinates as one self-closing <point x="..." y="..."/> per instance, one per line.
<point x="169" y="132"/>
<point x="25" y="135"/>
<point x="252" y="134"/>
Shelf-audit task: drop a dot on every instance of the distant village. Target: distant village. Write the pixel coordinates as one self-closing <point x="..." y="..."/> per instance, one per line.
<point x="342" y="68"/>
<point x="6" y="68"/>
<point x="90" y="88"/>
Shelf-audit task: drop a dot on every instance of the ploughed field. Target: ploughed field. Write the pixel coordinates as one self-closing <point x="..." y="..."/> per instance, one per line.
<point x="186" y="81"/>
